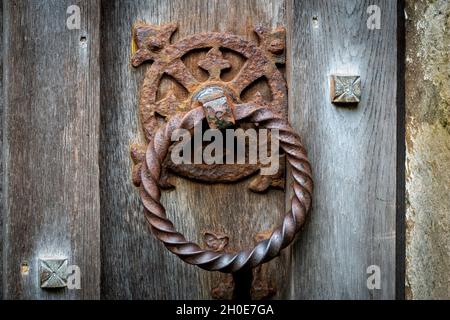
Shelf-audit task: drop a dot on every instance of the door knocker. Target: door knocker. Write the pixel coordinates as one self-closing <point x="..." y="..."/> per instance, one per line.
<point x="219" y="104"/>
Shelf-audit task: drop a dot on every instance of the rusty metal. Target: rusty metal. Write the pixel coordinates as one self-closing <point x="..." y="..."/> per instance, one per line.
<point x="223" y="287"/>
<point x="345" y="89"/>
<point x="220" y="103"/>
<point x="262" y="288"/>
<point x="217" y="106"/>
<point x="215" y="241"/>
<point x="152" y="43"/>
<point x="262" y="183"/>
<point x="262" y="283"/>
<point x="53" y="273"/>
<point x="265" y="250"/>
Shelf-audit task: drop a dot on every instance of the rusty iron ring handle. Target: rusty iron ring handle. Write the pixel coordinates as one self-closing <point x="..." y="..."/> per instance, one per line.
<point x="264" y="250"/>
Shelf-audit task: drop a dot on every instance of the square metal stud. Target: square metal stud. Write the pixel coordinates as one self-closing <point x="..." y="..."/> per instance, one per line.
<point x="53" y="272"/>
<point x="217" y="106"/>
<point x="345" y="89"/>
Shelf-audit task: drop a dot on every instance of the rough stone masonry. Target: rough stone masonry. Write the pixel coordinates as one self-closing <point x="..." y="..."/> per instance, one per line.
<point x="428" y="149"/>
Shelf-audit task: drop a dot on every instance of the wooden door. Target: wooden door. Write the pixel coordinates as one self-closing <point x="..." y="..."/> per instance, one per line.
<point x="70" y="114"/>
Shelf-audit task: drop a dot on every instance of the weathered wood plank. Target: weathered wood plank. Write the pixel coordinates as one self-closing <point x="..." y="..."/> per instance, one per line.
<point x="353" y="151"/>
<point x="134" y="264"/>
<point x="51" y="194"/>
<point x="2" y="107"/>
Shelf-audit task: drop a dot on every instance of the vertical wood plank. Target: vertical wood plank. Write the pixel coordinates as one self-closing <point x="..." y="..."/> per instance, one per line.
<point x="134" y="264"/>
<point x="51" y="194"/>
<point x="353" y="150"/>
<point x="2" y="107"/>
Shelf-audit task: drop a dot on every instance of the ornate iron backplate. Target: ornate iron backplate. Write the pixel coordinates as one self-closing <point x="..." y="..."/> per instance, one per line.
<point x="152" y="43"/>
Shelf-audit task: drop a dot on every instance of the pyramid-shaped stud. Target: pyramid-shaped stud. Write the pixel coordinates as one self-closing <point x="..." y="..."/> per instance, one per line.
<point x="53" y="273"/>
<point x="345" y="89"/>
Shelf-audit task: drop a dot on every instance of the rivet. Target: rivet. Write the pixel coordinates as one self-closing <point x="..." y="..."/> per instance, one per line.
<point x="53" y="273"/>
<point x="345" y="89"/>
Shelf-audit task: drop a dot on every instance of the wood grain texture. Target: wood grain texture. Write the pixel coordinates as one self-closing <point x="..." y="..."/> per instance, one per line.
<point x="134" y="264"/>
<point x="51" y="194"/>
<point x="2" y="107"/>
<point x="353" y="150"/>
<point x="67" y="171"/>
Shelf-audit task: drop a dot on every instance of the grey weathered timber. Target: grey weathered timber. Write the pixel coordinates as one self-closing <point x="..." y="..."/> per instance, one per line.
<point x="2" y="106"/>
<point x="50" y="151"/>
<point x="134" y="264"/>
<point x="353" y="150"/>
<point x="69" y="113"/>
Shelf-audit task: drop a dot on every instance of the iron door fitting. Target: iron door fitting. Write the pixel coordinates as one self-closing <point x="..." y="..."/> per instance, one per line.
<point x="220" y="103"/>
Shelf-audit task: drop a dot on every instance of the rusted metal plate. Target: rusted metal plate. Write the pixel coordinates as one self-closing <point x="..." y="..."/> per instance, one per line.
<point x="152" y="43"/>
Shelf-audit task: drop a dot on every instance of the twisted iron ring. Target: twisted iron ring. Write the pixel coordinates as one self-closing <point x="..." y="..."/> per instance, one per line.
<point x="265" y="250"/>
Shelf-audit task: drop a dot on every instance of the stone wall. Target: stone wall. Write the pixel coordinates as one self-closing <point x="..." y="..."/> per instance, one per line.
<point x="428" y="149"/>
